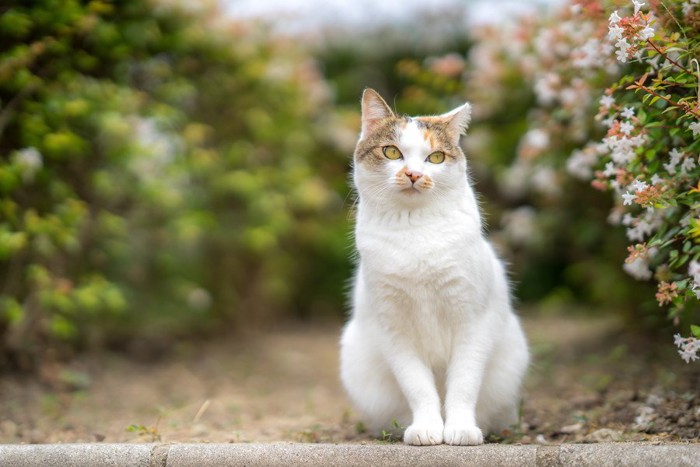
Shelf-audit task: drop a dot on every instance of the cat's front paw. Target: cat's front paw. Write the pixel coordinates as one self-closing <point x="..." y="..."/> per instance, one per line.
<point x="463" y="435"/>
<point x="423" y="434"/>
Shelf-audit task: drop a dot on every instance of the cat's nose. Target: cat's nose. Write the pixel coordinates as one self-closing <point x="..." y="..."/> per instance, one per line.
<point x="413" y="175"/>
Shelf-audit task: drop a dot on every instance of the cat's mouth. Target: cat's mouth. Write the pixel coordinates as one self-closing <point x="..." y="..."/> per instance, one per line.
<point x="412" y="190"/>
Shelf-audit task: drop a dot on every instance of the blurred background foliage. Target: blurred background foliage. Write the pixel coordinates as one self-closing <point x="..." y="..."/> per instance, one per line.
<point x="163" y="173"/>
<point x="170" y="172"/>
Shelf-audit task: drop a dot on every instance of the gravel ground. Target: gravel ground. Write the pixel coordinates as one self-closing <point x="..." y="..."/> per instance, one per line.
<point x="589" y="382"/>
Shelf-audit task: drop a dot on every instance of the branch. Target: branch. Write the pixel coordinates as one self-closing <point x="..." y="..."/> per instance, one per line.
<point x="663" y="54"/>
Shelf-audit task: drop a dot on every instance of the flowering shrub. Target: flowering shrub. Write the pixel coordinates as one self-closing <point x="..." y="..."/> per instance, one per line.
<point x="610" y="97"/>
<point x="650" y="151"/>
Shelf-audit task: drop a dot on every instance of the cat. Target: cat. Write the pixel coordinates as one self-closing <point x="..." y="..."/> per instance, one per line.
<point x="431" y="314"/>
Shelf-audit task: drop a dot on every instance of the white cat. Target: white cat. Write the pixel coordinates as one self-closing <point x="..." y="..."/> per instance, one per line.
<point x="432" y="319"/>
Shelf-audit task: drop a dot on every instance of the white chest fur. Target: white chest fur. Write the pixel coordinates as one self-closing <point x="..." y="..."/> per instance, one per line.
<point x="423" y="274"/>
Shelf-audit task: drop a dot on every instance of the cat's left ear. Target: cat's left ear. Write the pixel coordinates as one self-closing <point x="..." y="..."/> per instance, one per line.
<point x="458" y="119"/>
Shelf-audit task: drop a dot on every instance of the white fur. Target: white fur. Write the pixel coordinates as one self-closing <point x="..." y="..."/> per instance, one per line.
<point x="433" y="343"/>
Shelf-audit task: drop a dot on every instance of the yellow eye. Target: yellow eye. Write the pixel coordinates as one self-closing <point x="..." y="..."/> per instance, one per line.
<point x="436" y="158"/>
<point x="392" y="152"/>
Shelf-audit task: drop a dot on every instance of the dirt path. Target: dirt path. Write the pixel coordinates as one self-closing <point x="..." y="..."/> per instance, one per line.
<point x="587" y="382"/>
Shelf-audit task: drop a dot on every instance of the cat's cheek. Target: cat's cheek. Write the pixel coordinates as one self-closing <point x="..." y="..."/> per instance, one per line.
<point x="426" y="183"/>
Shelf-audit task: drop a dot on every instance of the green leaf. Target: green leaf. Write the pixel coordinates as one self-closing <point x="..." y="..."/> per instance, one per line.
<point x="695" y="330"/>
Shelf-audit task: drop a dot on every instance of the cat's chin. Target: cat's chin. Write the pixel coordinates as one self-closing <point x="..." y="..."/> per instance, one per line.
<point x="412" y="191"/>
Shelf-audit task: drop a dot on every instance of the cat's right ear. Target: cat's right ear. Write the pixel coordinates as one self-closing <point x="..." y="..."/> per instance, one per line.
<point x="374" y="110"/>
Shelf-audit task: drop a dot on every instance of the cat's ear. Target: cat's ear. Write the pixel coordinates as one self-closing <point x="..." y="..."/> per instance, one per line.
<point x="458" y="119"/>
<point x="374" y="110"/>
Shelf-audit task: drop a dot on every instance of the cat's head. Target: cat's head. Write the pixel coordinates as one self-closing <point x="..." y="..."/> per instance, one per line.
<point x="409" y="161"/>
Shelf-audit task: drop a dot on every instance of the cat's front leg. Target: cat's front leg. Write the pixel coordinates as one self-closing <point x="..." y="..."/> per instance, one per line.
<point x="465" y="376"/>
<point x="417" y="383"/>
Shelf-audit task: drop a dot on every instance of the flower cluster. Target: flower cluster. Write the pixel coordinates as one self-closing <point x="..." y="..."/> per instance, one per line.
<point x="688" y="347"/>
<point x="650" y="151"/>
<point x="630" y="33"/>
<point x="617" y="103"/>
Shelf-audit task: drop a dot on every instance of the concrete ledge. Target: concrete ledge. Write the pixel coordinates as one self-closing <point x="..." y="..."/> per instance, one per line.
<point x="76" y="455"/>
<point x="185" y="455"/>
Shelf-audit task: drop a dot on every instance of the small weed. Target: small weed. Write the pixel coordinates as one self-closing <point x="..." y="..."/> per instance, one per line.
<point x="142" y="430"/>
<point x="393" y="435"/>
<point x="389" y="437"/>
<point x="360" y="428"/>
<point x="315" y="434"/>
<point x="510" y="435"/>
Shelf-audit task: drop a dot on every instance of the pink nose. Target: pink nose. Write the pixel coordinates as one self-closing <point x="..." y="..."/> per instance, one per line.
<point x="413" y="175"/>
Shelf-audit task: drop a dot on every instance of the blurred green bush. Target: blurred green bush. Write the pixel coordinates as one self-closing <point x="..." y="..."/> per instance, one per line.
<point x="161" y="173"/>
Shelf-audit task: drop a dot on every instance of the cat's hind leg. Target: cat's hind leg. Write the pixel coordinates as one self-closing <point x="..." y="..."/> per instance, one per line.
<point x="500" y="394"/>
<point x="370" y="383"/>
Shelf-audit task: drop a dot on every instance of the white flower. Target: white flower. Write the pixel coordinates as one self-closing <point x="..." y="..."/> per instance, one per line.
<point x="622" y="44"/>
<point x="615" y="32"/>
<point x="637" y="6"/>
<point x="30" y="162"/>
<point x="655" y="179"/>
<point x="627" y="198"/>
<point x="695" y="128"/>
<point x="687" y="347"/>
<point x="694" y="269"/>
<point x="536" y="138"/>
<point x="644" y="228"/>
<point x="694" y="272"/>
<point x="687" y="165"/>
<point x="628" y="112"/>
<point x="626" y="128"/>
<point x="614" y="18"/>
<point x="546" y="88"/>
<point x="639" y="185"/>
<point x="622" y="156"/>
<point x="628" y="219"/>
<point x="688" y="355"/>
<point x="610" y="170"/>
<point x="639" y="269"/>
<point x="676" y="155"/>
<point x="678" y="340"/>
<point x="670" y="168"/>
<point x="544" y="180"/>
<point x="647" y="33"/>
<point x="635" y="234"/>
<point x="580" y="164"/>
<point x="621" y="56"/>
<point x="638" y="140"/>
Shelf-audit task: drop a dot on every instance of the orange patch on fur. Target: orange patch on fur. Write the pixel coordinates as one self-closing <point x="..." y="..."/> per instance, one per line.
<point x="429" y="136"/>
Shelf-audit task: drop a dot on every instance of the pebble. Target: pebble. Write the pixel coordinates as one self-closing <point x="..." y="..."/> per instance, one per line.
<point x="570" y="429"/>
